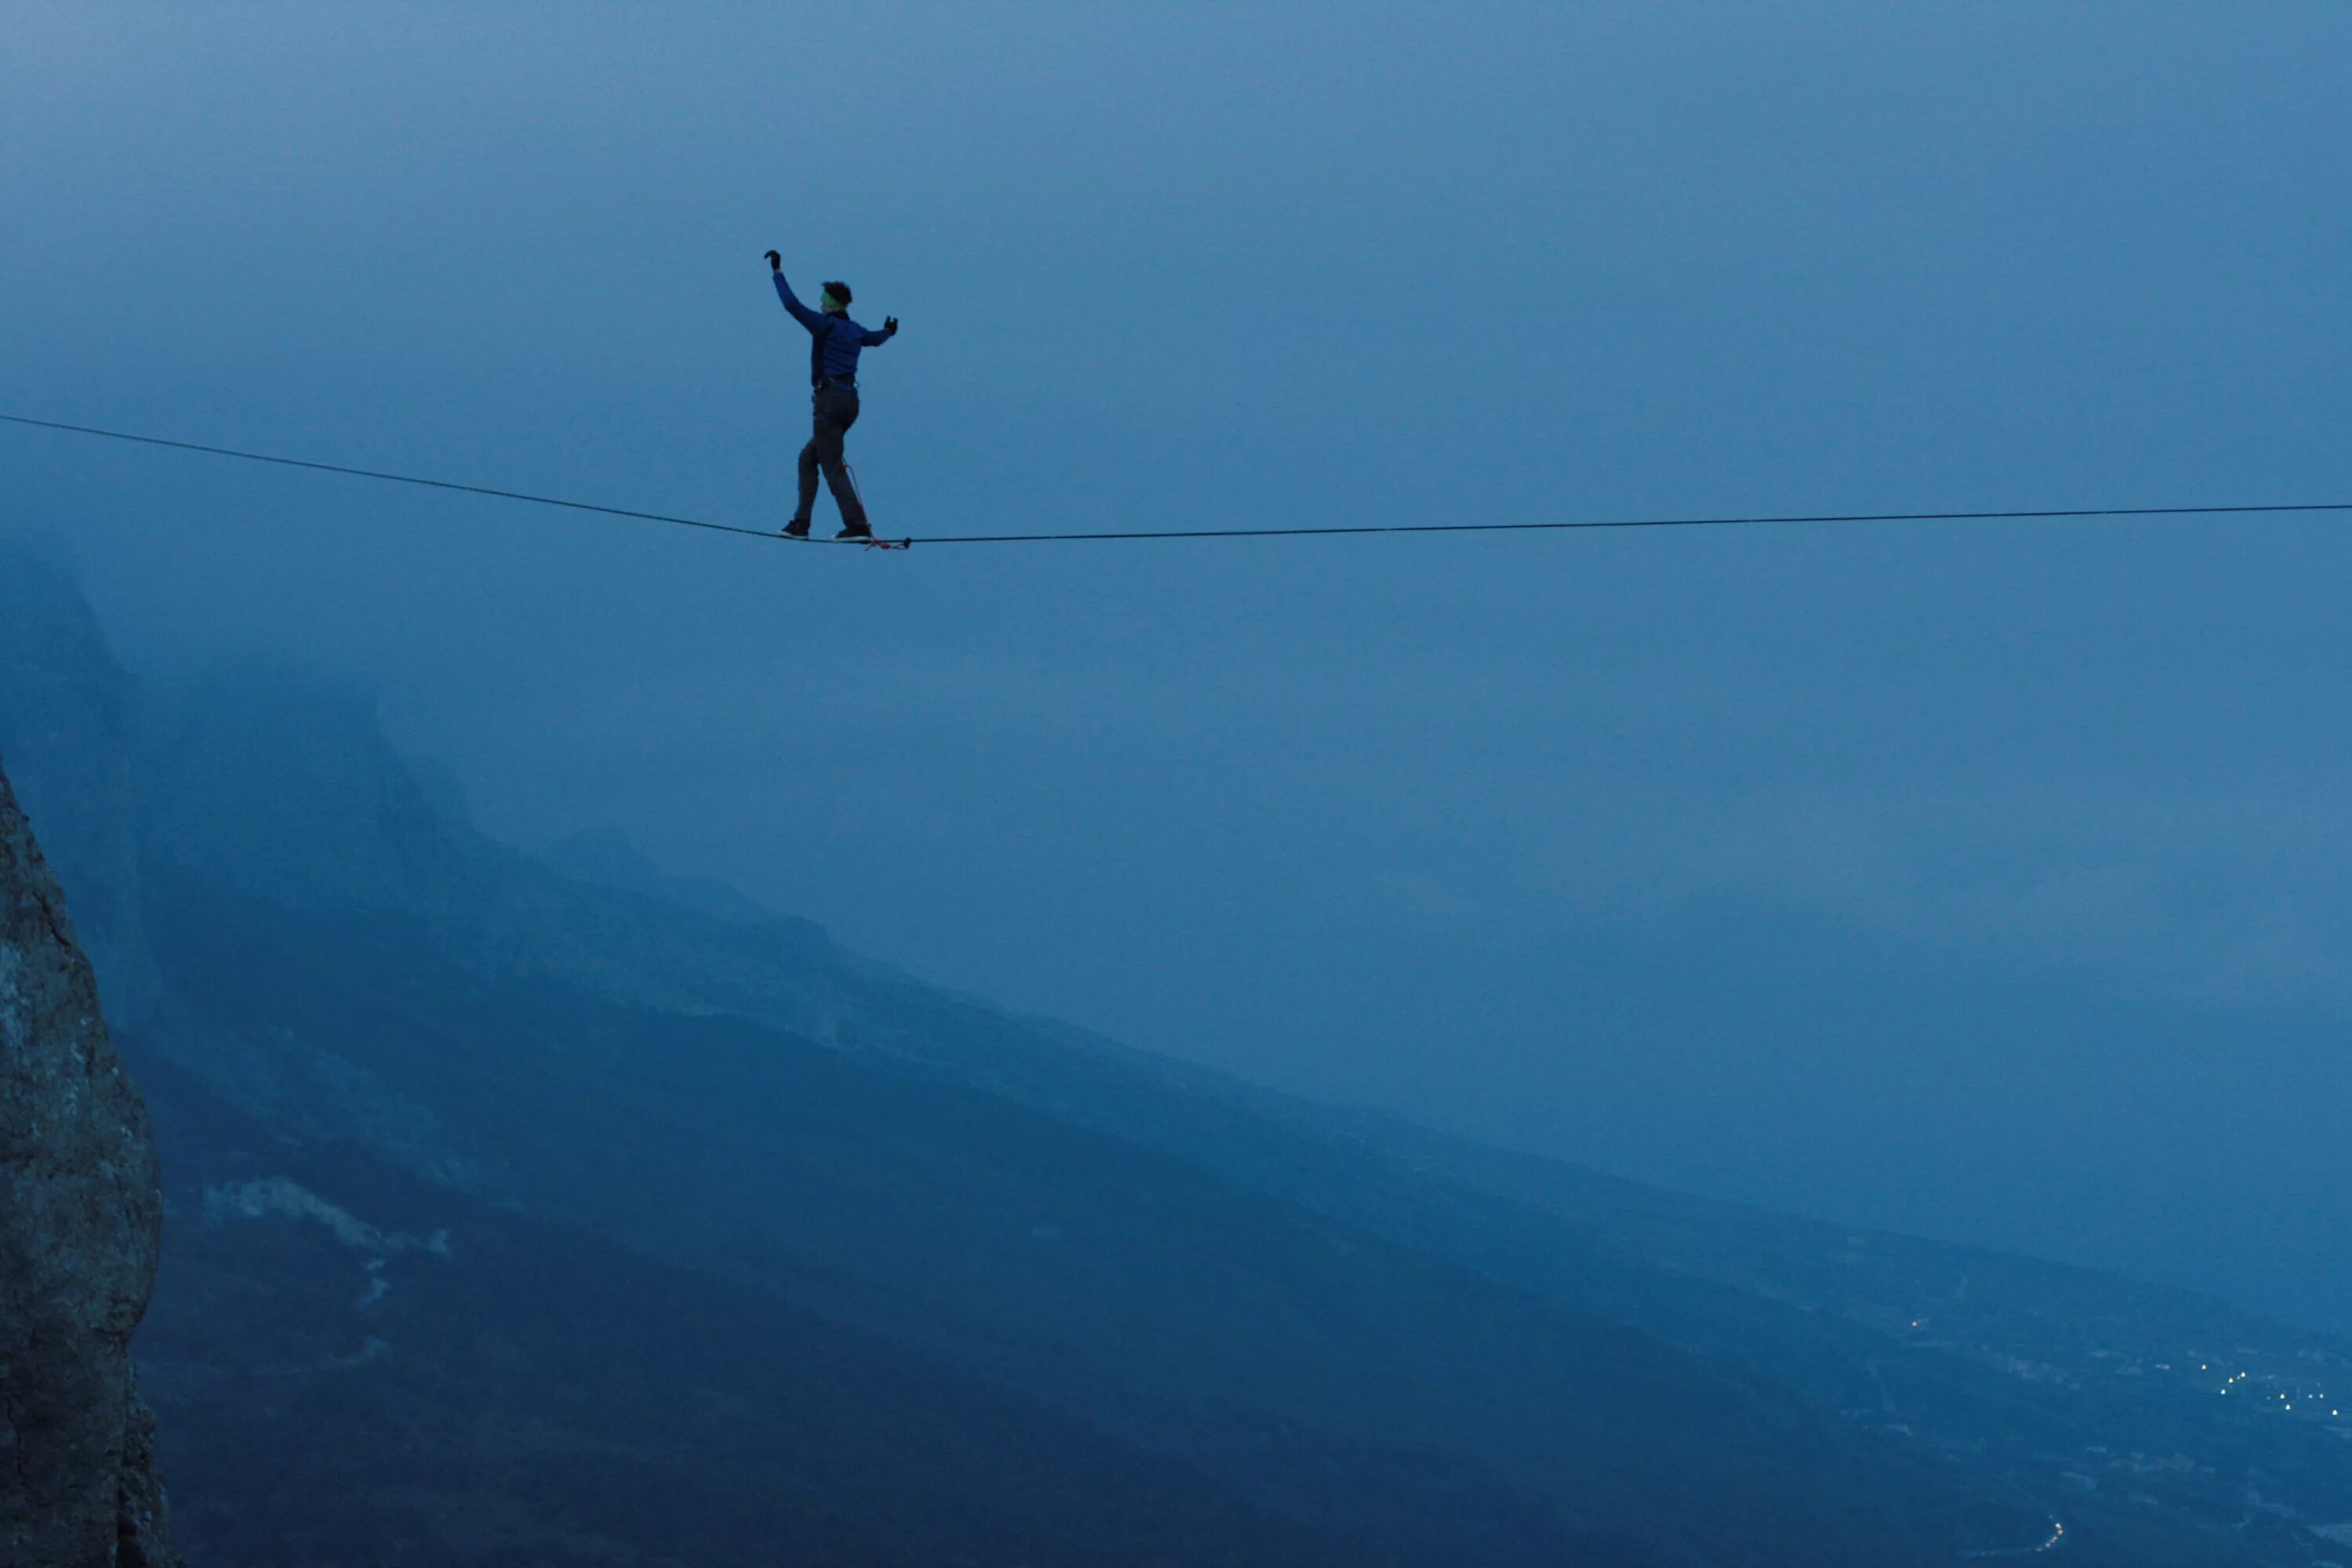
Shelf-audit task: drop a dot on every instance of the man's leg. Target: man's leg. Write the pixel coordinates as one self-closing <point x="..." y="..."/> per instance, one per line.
<point x="799" y="522"/>
<point x="845" y="491"/>
<point x="812" y="457"/>
<point x="836" y="412"/>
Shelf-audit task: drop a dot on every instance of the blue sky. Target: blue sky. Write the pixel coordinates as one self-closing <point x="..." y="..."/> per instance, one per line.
<point x="1983" y="880"/>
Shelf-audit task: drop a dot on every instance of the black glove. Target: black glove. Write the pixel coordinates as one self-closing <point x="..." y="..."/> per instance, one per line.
<point x="891" y="325"/>
<point x="775" y="262"/>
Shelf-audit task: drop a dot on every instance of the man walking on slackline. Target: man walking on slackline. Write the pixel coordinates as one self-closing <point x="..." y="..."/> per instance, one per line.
<point x="834" y="342"/>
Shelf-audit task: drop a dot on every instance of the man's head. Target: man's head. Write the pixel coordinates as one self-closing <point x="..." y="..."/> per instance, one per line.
<point x="835" y="298"/>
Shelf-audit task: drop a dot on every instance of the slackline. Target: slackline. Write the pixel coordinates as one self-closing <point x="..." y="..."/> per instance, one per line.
<point x="1300" y="531"/>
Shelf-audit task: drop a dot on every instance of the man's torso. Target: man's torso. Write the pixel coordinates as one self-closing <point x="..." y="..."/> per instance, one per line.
<point x="833" y="353"/>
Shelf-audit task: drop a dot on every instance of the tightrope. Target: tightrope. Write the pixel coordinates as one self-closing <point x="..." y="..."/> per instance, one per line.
<point x="1322" y="532"/>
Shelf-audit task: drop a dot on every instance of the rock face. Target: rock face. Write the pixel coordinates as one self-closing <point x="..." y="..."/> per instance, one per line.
<point x="80" y="1221"/>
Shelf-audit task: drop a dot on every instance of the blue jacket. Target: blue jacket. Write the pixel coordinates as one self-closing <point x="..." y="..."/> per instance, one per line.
<point x="834" y="341"/>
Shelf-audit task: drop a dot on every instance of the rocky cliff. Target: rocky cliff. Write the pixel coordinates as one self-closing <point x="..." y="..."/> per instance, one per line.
<point x="80" y="1221"/>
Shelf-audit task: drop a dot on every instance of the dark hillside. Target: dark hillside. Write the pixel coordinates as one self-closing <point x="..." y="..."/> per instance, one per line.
<point x="1143" y="1295"/>
<point x="404" y="1374"/>
<point x="514" y="1203"/>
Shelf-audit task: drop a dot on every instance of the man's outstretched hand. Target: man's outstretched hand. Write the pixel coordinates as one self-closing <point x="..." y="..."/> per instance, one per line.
<point x="775" y="262"/>
<point x="891" y="325"/>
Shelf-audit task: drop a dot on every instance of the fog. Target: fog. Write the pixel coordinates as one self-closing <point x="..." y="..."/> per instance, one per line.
<point x="1984" y="879"/>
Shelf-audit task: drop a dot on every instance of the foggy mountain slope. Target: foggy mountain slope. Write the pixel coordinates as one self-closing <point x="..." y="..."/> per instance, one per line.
<point x="906" y="1232"/>
<point x="66" y="711"/>
<point x="1113" y="1281"/>
<point x="1811" y="1305"/>
<point x="318" y="1411"/>
<point x="359" y="1355"/>
<point x="1343" y="1320"/>
<point x="1348" y="1385"/>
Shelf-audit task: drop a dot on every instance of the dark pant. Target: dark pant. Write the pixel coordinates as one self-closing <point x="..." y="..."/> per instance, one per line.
<point x="836" y="411"/>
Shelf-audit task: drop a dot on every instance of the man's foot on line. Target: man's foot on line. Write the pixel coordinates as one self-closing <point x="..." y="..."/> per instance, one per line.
<point x="854" y="531"/>
<point x="796" y="529"/>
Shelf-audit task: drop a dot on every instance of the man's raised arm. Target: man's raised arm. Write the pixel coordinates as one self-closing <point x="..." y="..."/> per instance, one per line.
<point x="889" y="330"/>
<point x="801" y="313"/>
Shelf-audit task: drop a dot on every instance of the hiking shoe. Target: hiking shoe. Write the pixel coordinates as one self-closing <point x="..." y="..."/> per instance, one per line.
<point x="854" y="531"/>
<point x="797" y="529"/>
